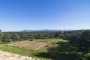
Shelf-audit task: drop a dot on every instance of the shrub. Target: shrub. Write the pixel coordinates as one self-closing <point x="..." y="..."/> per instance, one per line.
<point x="52" y="51"/>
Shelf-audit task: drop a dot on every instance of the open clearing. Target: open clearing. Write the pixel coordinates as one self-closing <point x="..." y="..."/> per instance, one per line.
<point x="30" y="45"/>
<point x="40" y="53"/>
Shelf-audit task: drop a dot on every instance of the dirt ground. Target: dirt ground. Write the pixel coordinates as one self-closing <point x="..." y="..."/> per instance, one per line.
<point x="30" y="45"/>
<point x="10" y="56"/>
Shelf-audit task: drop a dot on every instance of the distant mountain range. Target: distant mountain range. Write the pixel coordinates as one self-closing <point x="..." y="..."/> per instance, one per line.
<point x="46" y="30"/>
<point x="41" y="30"/>
<point x="50" y="30"/>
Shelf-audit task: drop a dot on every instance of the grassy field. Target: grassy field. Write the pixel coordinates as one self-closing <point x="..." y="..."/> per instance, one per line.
<point x="40" y="53"/>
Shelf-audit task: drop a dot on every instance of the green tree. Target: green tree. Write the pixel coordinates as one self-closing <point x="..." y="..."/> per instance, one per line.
<point x="24" y="36"/>
<point x="52" y="51"/>
<point x="84" y="41"/>
<point x="57" y="35"/>
<point x="16" y="37"/>
<point x="6" y="38"/>
<point x="0" y="35"/>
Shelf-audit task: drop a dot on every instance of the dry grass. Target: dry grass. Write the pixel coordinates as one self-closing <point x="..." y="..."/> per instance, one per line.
<point x="30" y="45"/>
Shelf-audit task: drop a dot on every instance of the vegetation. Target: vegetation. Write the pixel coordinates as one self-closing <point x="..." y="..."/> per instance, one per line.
<point x="64" y="45"/>
<point x="6" y="37"/>
<point x="41" y="53"/>
<point x="52" y="51"/>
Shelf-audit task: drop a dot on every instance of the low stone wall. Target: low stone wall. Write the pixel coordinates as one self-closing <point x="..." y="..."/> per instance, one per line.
<point x="40" y="46"/>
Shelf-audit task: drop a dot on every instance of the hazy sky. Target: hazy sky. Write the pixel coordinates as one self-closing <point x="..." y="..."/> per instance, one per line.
<point x="18" y="15"/>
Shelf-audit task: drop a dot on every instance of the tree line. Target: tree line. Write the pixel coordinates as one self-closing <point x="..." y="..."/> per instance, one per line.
<point x="16" y="36"/>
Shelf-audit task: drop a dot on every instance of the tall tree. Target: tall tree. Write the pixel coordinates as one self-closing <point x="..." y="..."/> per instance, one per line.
<point x="16" y="37"/>
<point x="0" y="35"/>
<point x="84" y="41"/>
<point x="6" y="38"/>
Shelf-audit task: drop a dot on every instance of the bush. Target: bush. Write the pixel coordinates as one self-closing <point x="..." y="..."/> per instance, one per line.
<point x="52" y="51"/>
<point x="31" y="40"/>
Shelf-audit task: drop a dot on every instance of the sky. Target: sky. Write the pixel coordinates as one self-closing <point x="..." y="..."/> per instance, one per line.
<point x="17" y="15"/>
